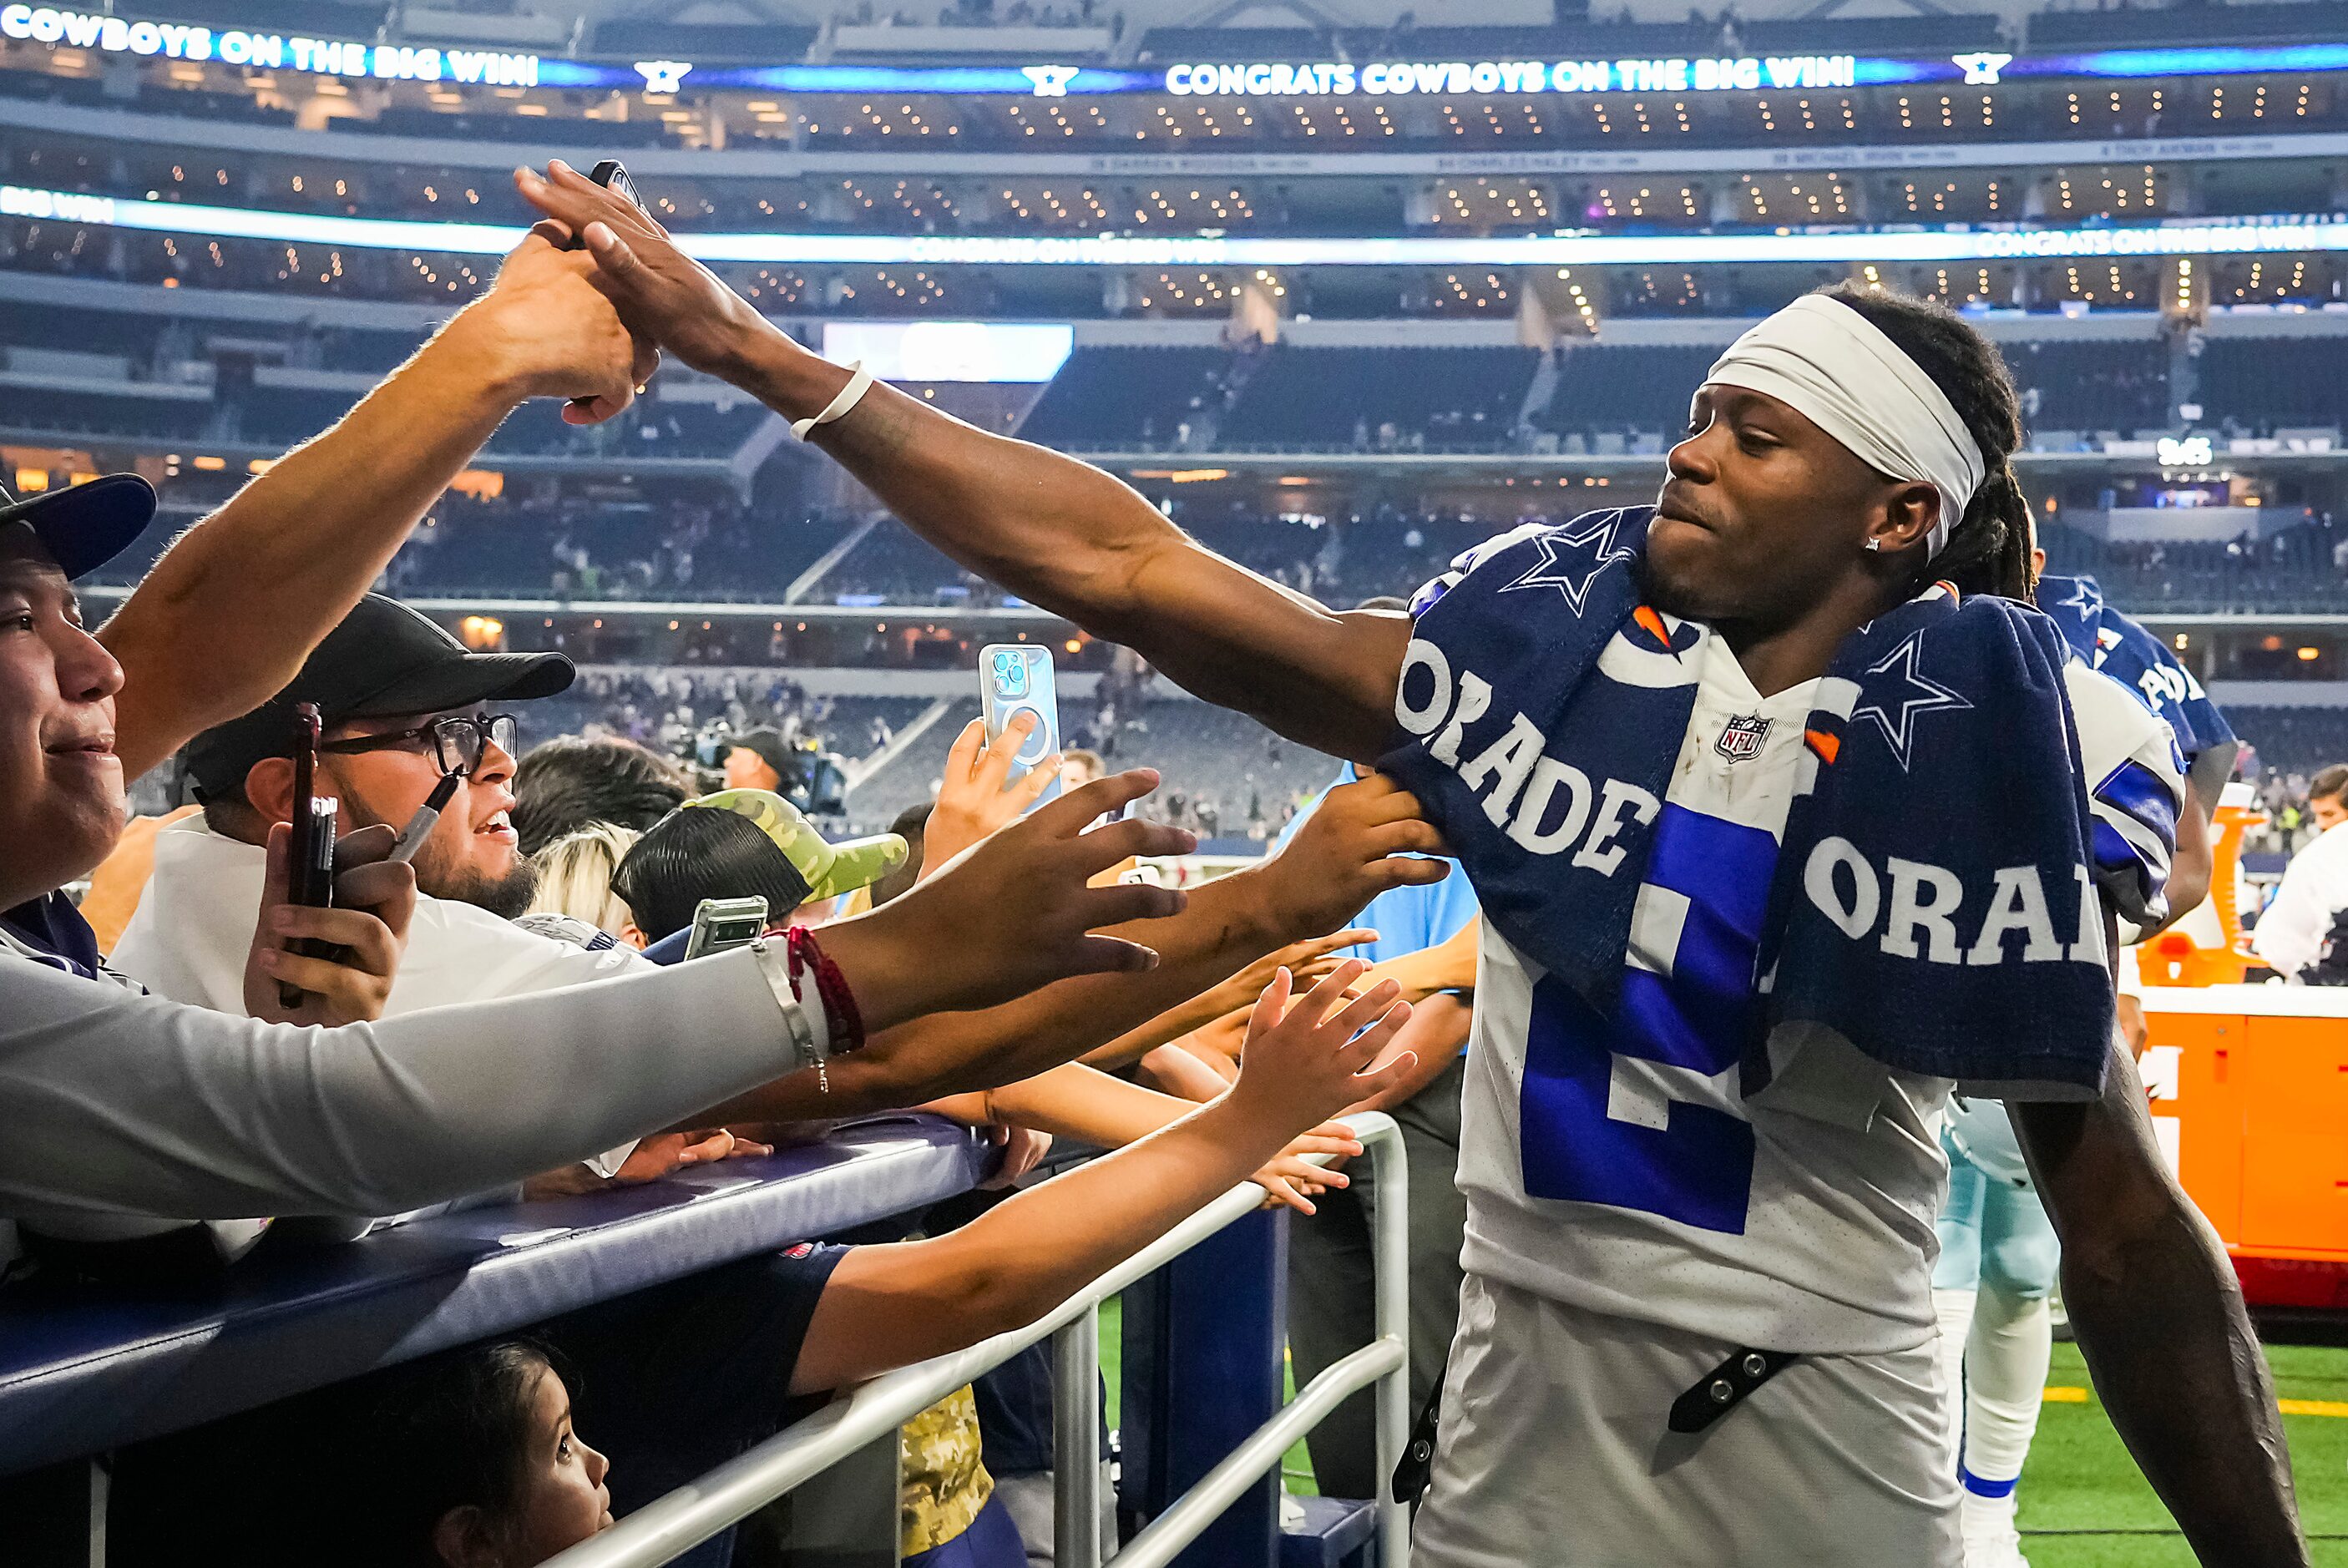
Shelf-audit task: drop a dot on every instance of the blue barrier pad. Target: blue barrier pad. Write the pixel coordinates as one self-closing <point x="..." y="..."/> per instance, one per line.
<point x="1337" y="1533"/>
<point x="84" y="1369"/>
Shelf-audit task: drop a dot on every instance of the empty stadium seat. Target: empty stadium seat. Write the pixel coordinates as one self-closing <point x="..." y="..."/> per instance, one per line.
<point x="1444" y="399"/>
<point x="1106" y="399"/>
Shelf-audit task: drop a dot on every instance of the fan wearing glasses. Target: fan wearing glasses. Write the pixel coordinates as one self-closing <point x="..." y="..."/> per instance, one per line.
<point x="403" y="705"/>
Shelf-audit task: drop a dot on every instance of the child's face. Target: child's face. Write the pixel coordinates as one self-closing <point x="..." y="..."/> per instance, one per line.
<point x="563" y="1499"/>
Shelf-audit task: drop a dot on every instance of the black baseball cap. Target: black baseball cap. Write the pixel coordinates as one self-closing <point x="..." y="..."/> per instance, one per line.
<point x="768" y="746"/>
<point x="384" y="659"/>
<point x="85" y="526"/>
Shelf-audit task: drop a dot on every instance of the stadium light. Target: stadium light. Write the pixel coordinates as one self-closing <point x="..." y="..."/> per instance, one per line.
<point x="1953" y="242"/>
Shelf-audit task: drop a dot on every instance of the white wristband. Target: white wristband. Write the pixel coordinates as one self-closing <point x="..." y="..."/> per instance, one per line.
<point x="839" y="406"/>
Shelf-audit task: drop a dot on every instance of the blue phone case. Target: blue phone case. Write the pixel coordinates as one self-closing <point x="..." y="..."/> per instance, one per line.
<point x="1013" y="677"/>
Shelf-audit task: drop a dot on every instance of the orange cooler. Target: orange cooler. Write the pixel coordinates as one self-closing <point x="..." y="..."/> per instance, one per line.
<point x="2250" y="1096"/>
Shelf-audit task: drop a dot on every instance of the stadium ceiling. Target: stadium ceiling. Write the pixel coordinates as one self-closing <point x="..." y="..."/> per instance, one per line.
<point x="1951" y="242"/>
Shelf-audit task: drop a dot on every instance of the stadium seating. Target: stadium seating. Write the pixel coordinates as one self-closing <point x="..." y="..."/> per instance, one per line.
<point x="2298" y="570"/>
<point x="1107" y="398"/>
<point x="2119" y="385"/>
<point x="1435" y="399"/>
<point x="1169" y="45"/>
<point x="2294" y="739"/>
<point x="2197" y="22"/>
<point x="2270" y="381"/>
<point x="1621" y="390"/>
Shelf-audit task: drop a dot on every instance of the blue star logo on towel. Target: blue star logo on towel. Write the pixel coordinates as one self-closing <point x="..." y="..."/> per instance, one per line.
<point x="2086" y="598"/>
<point x="1894" y="702"/>
<point x="1570" y="561"/>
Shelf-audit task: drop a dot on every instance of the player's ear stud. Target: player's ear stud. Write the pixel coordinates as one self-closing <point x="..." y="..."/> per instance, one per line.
<point x="1875" y="544"/>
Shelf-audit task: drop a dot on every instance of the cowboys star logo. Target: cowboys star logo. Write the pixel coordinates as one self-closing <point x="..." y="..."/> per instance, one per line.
<point x="1573" y="554"/>
<point x="2086" y="597"/>
<point x="663" y="75"/>
<point x="1740" y="738"/>
<point x="1894" y="704"/>
<point x="1982" y="70"/>
<point x="1051" y="82"/>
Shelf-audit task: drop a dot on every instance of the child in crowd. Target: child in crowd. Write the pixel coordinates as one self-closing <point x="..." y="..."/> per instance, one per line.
<point x="478" y="1466"/>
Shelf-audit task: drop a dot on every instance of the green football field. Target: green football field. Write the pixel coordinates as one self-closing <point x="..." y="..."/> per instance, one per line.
<point x="2083" y="1503"/>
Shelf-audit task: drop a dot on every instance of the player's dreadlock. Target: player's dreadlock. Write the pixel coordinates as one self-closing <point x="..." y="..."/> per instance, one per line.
<point x="1988" y="550"/>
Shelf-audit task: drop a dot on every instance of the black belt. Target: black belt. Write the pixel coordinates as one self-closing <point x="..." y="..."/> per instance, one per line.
<point x="1725" y="1386"/>
<point x="1711" y="1397"/>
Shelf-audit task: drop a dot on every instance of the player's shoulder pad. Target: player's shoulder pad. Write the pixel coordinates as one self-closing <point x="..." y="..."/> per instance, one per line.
<point x="2115" y="728"/>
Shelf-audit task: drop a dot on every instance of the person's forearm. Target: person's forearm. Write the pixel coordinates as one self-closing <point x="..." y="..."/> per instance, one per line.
<point x="2162" y="1324"/>
<point x="2190" y="868"/>
<point x="1225" y="925"/>
<point x="1190" y="1014"/>
<point x="1083" y="544"/>
<point x="123" y="1102"/>
<point x="2160" y="1320"/>
<point x="1032" y="1252"/>
<point x="225" y="618"/>
<point x="1074" y="1101"/>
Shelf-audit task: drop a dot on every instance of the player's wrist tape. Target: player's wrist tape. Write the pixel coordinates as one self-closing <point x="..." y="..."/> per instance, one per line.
<point x="840" y="406"/>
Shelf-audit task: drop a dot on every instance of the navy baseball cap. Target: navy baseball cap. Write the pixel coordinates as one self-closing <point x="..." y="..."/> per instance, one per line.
<point x="85" y="526"/>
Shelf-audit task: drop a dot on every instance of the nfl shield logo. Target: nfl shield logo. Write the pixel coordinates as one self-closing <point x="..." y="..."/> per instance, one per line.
<point x="1741" y="738"/>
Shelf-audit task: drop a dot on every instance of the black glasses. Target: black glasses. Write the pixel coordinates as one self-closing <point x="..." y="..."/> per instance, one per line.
<point x="457" y="742"/>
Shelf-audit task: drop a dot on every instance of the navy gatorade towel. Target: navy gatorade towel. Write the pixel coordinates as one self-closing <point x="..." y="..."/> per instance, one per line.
<point x="1933" y="902"/>
<point x="2109" y="642"/>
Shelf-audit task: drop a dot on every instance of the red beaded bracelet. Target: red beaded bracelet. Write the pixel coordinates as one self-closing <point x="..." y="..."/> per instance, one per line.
<point x="830" y="987"/>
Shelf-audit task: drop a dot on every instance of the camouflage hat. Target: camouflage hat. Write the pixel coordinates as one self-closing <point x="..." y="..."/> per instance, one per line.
<point x="829" y="868"/>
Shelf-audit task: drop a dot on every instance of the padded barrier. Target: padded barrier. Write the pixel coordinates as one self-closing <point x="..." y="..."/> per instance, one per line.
<point x="83" y="1370"/>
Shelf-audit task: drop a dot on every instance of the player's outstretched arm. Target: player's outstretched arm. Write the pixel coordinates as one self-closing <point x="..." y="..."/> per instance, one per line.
<point x="2160" y="1317"/>
<point x="1057" y="532"/>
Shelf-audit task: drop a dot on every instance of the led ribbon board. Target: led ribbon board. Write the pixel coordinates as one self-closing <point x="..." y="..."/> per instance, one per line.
<point x="1953" y="242"/>
<point x="1327" y="79"/>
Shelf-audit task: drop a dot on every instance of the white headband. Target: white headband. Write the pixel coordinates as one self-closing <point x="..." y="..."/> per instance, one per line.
<point x="1837" y="368"/>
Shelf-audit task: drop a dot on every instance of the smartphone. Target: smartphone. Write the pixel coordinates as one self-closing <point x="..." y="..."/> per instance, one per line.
<point x="310" y="860"/>
<point x="1013" y="678"/>
<point x="609" y="175"/>
<point x="720" y="924"/>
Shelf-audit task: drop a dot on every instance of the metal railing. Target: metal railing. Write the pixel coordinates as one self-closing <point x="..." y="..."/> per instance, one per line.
<point x="670" y="1525"/>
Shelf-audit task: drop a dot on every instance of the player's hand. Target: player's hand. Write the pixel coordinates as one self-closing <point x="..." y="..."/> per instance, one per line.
<point x="1023" y="1148"/>
<point x="544" y="329"/>
<point x="374" y="901"/>
<point x="978" y="795"/>
<point x="1013" y="912"/>
<point x="1307" y="1057"/>
<point x="663" y="294"/>
<point x="1363" y="839"/>
<point x="1293" y="1180"/>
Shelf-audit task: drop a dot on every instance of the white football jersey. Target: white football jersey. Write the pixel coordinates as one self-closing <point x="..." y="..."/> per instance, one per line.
<point x="1617" y="1167"/>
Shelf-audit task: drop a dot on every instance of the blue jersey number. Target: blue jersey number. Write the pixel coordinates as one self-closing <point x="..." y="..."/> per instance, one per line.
<point x="1697" y="1168"/>
<point x="1687" y="1009"/>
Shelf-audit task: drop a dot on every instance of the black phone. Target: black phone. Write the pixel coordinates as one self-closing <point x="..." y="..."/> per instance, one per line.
<point x="612" y="177"/>
<point x="310" y="858"/>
